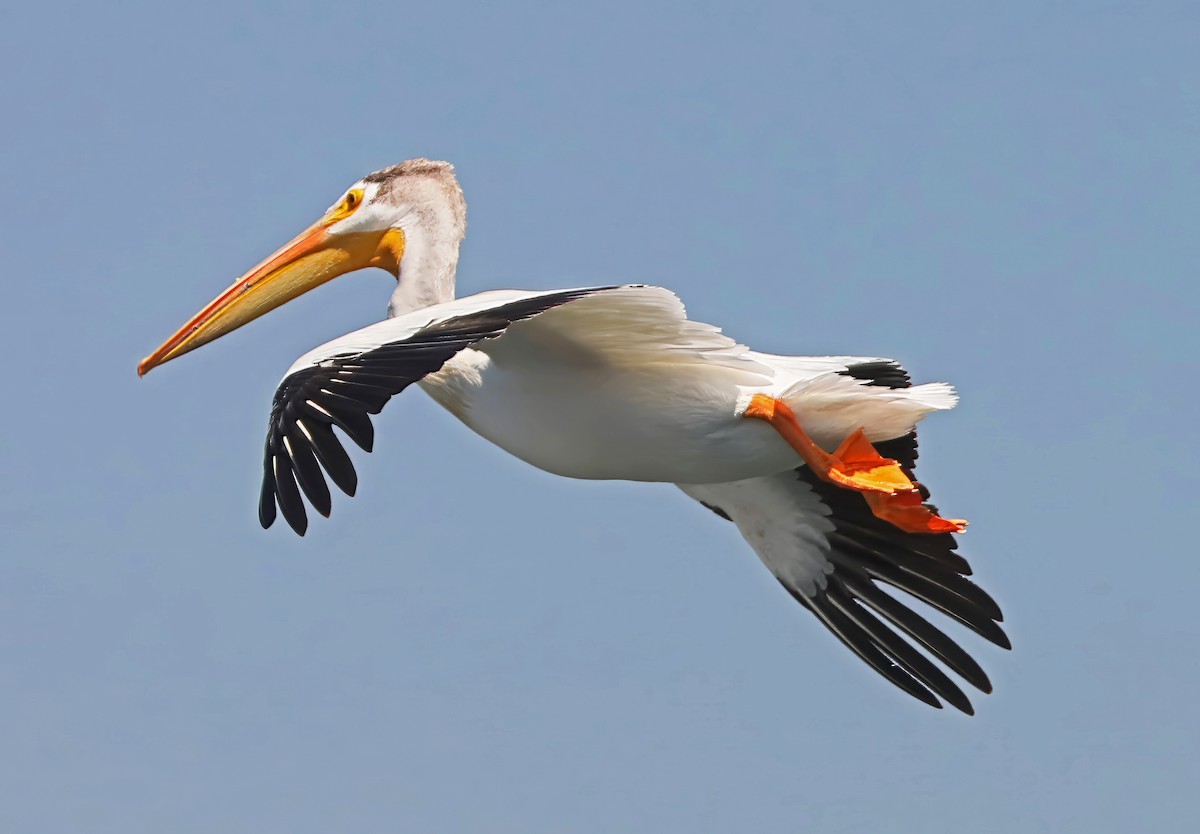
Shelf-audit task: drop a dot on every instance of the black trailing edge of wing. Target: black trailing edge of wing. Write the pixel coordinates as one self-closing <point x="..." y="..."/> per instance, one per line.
<point x="868" y="553"/>
<point x="344" y="391"/>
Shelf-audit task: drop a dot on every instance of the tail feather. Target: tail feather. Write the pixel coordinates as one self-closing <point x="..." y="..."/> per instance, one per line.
<point x="832" y="405"/>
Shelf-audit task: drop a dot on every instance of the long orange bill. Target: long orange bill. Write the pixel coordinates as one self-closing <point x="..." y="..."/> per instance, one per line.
<point x="312" y="258"/>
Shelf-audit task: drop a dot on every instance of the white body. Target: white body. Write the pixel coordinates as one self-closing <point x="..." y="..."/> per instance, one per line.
<point x="621" y="385"/>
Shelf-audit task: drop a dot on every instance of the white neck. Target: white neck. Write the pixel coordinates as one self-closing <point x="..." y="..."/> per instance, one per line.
<point x="426" y="277"/>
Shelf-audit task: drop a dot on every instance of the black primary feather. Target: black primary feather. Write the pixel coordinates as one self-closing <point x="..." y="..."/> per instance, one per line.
<point x="866" y="551"/>
<point x="344" y="391"/>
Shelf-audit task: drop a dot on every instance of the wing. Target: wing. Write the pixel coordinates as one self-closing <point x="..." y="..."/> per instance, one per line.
<point x="345" y="381"/>
<point x="833" y="556"/>
<point x="635" y="325"/>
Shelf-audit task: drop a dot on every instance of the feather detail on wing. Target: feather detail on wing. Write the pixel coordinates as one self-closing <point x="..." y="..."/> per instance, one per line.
<point x="835" y="557"/>
<point x="629" y="326"/>
<point x="342" y="383"/>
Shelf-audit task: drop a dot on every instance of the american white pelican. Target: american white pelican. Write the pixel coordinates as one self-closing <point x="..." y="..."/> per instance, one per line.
<point x="616" y="383"/>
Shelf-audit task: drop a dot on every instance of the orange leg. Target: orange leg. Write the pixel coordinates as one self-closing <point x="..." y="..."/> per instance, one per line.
<point x="891" y="495"/>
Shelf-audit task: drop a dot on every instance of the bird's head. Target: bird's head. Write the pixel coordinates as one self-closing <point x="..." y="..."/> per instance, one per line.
<point x="394" y="218"/>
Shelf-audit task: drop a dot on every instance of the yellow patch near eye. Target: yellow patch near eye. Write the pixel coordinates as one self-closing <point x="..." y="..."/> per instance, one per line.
<point x="390" y="251"/>
<point x="346" y="207"/>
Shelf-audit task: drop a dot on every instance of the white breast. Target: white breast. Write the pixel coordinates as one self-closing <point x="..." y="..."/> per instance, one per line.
<point x="649" y="422"/>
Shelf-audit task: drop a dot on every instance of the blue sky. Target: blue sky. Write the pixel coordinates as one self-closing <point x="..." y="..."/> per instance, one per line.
<point x="1000" y="195"/>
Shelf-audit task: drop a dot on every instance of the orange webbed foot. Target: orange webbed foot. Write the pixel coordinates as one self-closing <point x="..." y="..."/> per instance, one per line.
<point x="906" y="511"/>
<point x="889" y="492"/>
<point x="857" y="465"/>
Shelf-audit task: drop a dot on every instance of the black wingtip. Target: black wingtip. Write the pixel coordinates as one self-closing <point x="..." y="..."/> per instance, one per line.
<point x="298" y="521"/>
<point x="862" y="644"/>
<point x="331" y="454"/>
<point x="919" y="692"/>
<point x="917" y="628"/>
<point x="287" y="494"/>
<point x="343" y="390"/>
<point x="958" y="699"/>
<point x="1000" y="637"/>
<point x="308" y="472"/>
<point x="266" y="503"/>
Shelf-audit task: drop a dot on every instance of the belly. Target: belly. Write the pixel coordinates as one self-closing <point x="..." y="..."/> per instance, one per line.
<point x="657" y="422"/>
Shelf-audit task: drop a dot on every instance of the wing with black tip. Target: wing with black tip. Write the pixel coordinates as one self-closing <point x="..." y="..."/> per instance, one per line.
<point x="342" y="383"/>
<point x="838" y="560"/>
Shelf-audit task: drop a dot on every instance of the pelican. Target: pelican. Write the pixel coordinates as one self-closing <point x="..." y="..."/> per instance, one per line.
<point x="812" y="458"/>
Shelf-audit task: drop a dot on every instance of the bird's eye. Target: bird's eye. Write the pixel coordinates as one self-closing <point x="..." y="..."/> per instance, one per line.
<point x="346" y="206"/>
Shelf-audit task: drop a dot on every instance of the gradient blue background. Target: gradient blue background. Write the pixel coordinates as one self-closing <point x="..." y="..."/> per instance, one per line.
<point x="1000" y="195"/>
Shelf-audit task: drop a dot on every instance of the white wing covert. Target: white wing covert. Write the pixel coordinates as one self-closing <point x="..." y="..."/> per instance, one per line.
<point x="345" y="381"/>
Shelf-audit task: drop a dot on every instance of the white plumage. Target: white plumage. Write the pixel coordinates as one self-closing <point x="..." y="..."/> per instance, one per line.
<point x="617" y="383"/>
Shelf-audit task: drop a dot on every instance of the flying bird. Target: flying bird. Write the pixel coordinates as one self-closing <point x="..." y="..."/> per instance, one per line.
<point x="812" y="458"/>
